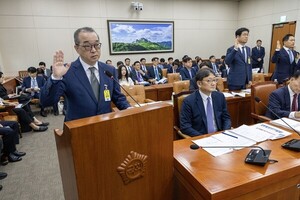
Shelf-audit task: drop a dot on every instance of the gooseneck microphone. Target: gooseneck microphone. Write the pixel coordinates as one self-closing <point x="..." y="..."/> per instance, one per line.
<point x="112" y="77"/>
<point x="257" y="156"/>
<point x="293" y="144"/>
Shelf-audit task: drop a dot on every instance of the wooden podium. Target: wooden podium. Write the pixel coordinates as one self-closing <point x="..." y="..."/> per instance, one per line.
<point x="120" y="155"/>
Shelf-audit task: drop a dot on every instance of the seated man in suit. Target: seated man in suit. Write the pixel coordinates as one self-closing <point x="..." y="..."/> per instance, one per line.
<point x="187" y="72"/>
<point x="138" y="76"/>
<point x="154" y="72"/>
<point x="10" y="136"/>
<point x="193" y="82"/>
<point x="85" y="83"/>
<point x="285" y="100"/>
<point x="175" y="67"/>
<point x="32" y="84"/>
<point x="205" y="110"/>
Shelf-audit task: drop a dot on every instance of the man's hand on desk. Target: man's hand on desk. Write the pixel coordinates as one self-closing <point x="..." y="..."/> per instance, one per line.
<point x="297" y="114"/>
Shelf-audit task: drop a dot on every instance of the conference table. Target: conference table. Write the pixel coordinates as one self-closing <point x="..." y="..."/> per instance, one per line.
<point x="199" y="176"/>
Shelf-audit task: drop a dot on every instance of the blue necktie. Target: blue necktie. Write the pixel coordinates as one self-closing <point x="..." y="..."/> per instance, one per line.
<point x="291" y="56"/>
<point x="209" y="117"/>
<point x="156" y="74"/>
<point x="244" y="54"/>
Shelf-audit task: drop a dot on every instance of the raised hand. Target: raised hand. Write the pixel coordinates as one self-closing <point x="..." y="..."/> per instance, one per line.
<point x="236" y="43"/>
<point x="58" y="67"/>
<point x="278" y="45"/>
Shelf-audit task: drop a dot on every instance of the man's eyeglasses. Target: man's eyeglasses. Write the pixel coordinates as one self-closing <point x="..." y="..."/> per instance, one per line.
<point x="89" y="47"/>
<point x="209" y="81"/>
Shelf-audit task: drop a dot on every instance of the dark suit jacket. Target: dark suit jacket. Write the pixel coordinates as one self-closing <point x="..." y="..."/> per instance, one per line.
<point x="257" y="54"/>
<point x="27" y="84"/>
<point x="3" y="92"/>
<point x="240" y="72"/>
<point x="185" y="75"/>
<point x="170" y="70"/>
<point x="151" y="73"/>
<point x="279" y="102"/>
<point x="134" y="76"/>
<point x="193" y="120"/>
<point x="79" y="95"/>
<point x="283" y="69"/>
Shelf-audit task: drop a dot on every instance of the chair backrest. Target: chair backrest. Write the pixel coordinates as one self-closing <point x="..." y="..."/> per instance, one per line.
<point x="258" y="77"/>
<point x="180" y="86"/>
<point x="220" y="84"/>
<point x="136" y="91"/>
<point x="261" y="90"/>
<point x="178" y="100"/>
<point x="173" y="77"/>
<point x="23" y="74"/>
<point x="164" y="72"/>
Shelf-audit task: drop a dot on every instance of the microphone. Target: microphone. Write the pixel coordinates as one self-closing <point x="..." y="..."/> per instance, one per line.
<point x="255" y="156"/>
<point x="292" y="144"/>
<point x="112" y="77"/>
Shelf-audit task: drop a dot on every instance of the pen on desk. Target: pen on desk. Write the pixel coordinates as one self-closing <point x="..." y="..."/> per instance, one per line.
<point x="230" y="135"/>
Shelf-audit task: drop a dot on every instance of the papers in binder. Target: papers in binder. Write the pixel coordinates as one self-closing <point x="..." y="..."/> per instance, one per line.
<point x="293" y="123"/>
<point x="243" y="136"/>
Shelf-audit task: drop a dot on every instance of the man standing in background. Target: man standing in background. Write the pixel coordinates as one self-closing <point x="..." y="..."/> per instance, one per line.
<point x="258" y="54"/>
<point x="285" y="59"/>
<point x="47" y="72"/>
<point x="238" y="58"/>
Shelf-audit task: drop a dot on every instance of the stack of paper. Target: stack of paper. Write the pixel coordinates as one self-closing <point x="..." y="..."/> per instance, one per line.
<point x="293" y="123"/>
<point x="243" y="136"/>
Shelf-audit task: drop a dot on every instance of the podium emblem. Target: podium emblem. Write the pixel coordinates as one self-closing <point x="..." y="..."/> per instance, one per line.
<point x="133" y="167"/>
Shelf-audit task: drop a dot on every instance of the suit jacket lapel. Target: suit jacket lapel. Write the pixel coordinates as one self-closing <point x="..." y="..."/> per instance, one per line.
<point x="241" y="54"/>
<point x="201" y="108"/>
<point x="82" y="78"/>
<point x="287" y="98"/>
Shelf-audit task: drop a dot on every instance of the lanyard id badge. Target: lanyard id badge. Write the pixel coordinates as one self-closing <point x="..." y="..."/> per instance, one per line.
<point x="106" y="94"/>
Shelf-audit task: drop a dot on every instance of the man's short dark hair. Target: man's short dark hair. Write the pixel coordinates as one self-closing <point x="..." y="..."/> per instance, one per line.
<point x="258" y="41"/>
<point x="154" y="58"/>
<point x="296" y="74"/>
<point x="204" y="63"/>
<point x="83" y="29"/>
<point x="212" y="56"/>
<point x="127" y="59"/>
<point x="142" y="59"/>
<point x="107" y="61"/>
<point x="223" y="57"/>
<point x="287" y="37"/>
<point x="120" y="63"/>
<point x="31" y="70"/>
<point x="162" y="60"/>
<point x="136" y="62"/>
<point x="186" y="59"/>
<point x="42" y="63"/>
<point x="240" y="31"/>
<point x="170" y="58"/>
<point x="202" y="73"/>
<point x="176" y="62"/>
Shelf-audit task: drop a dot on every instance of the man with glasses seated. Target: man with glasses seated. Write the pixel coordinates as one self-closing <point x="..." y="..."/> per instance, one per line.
<point x="205" y="110"/>
<point x="84" y="84"/>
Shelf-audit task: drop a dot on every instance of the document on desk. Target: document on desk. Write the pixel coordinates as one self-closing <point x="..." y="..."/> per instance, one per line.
<point x="273" y="132"/>
<point x="293" y="123"/>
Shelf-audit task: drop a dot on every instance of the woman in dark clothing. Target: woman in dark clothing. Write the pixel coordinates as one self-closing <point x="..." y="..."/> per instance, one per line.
<point x="26" y="118"/>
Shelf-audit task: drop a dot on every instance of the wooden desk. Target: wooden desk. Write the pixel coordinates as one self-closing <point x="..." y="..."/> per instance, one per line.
<point x="198" y="175"/>
<point x="161" y="92"/>
<point x="239" y="109"/>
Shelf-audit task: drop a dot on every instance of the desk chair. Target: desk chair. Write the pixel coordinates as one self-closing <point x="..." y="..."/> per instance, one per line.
<point x="164" y="72"/>
<point x="220" y="85"/>
<point x="258" y="77"/>
<point x="137" y="92"/>
<point x="180" y="86"/>
<point x="178" y="100"/>
<point x="261" y="90"/>
<point x="173" y="77"/>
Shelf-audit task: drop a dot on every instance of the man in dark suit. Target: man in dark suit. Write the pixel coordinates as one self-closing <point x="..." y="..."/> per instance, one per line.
<point x="238" y="58"/>
<point x="175" y="68"/>
<point x="205" y="110"/>
<point x="213" y="65"/>
<point x="285" y="101"/>
<point x="32" y="85"/>
<point x="138" y="76"/>
<point x="224" y="69"/>
<point x="87" y="89"/>
<point x="47" y="72"/>
<point x="258" y="54"/>
<point x="285" y="59"/>
<point x="187" y="72"/>
<point x="154" y="72"/>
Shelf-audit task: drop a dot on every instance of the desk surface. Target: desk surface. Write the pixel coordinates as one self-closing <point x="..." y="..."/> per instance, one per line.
<point x="228" y="177"/>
